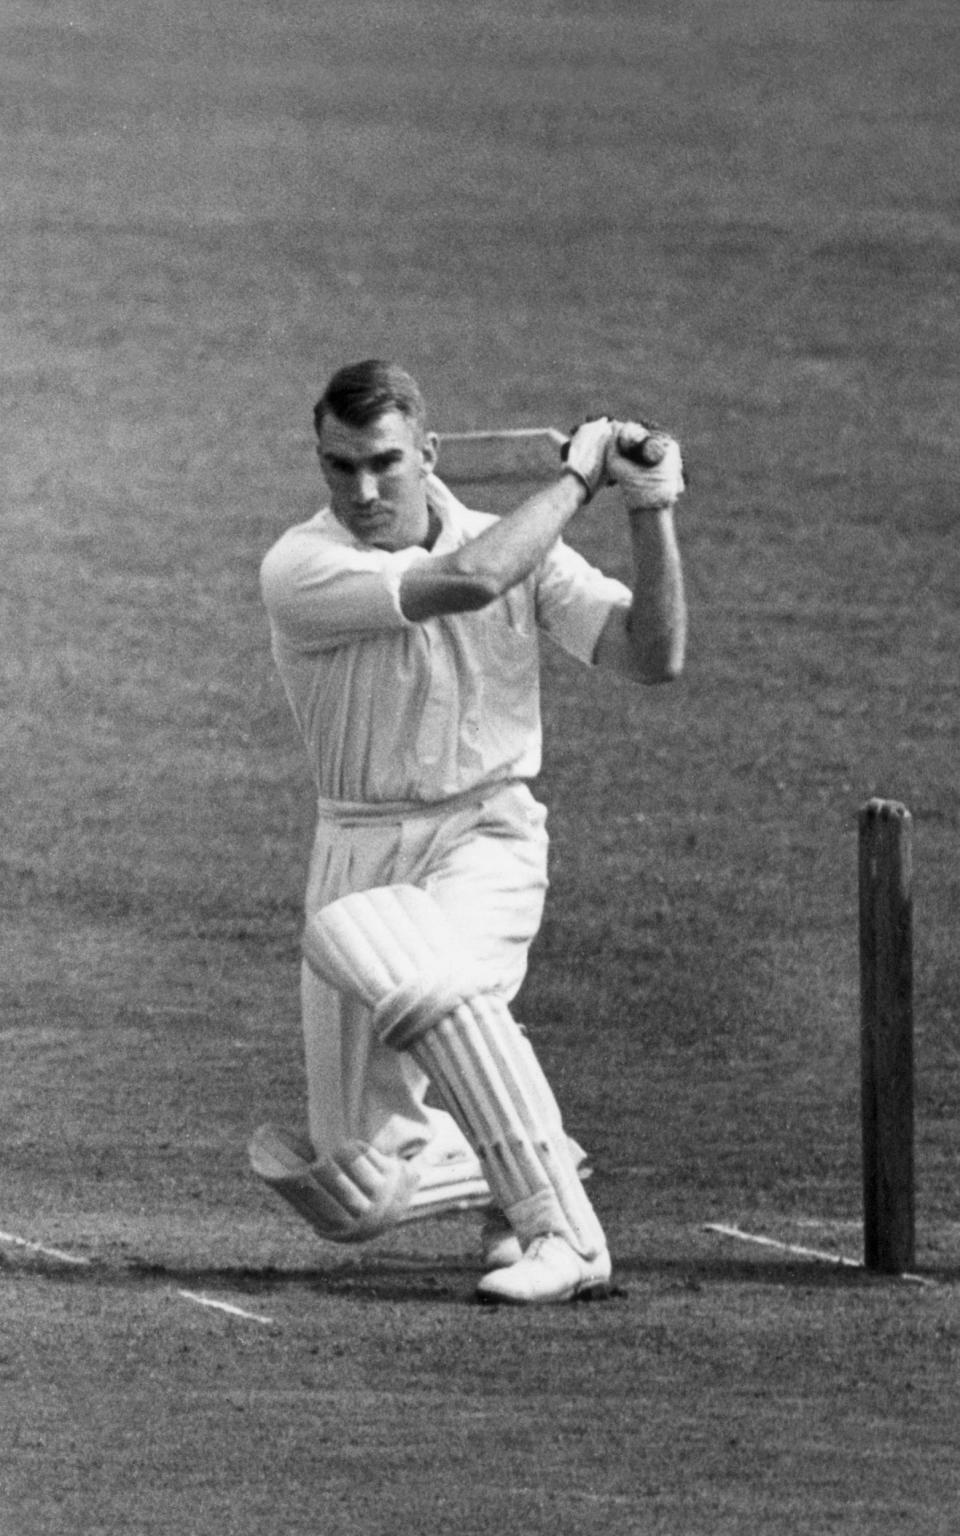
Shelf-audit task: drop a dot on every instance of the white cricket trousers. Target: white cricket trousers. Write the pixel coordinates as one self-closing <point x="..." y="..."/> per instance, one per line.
<point x="483" y="858"/>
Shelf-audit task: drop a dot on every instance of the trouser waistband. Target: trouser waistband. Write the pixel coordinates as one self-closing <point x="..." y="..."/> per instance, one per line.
<point x="359" y="811"/>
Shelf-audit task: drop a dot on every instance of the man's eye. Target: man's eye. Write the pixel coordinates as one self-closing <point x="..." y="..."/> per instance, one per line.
<point x="386" y="461"/>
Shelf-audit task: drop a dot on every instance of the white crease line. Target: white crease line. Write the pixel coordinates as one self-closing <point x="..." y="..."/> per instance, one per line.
<point x="49" y="1253"/>
<point x="224" y="1306"/>
<point x="828" y="1223"/>
<point x="772" y="1242"/>
<point x="805" y="1253"/>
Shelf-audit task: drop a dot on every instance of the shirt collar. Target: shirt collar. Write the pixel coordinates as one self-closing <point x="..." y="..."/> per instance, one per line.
<point x="451" y="513"/>
<point x="441" y="501"/>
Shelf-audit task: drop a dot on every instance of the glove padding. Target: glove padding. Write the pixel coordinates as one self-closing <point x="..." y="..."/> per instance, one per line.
<point x="585" y="455"/>
<point x="644" y="488"/>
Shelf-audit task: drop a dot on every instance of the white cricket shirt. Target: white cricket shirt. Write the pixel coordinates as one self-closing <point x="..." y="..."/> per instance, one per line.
<point x="394" y="712"/>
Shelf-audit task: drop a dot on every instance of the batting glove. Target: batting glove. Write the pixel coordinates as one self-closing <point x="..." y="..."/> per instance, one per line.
<point x="585" y="455"/>
<point x="645" y="487"/>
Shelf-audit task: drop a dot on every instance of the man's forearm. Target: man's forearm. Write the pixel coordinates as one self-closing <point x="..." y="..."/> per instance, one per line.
<point x="658" y="617"/>
<point x="511" y="548"/>
<point x="648" y="643"/>
<point x="505" y="553"/>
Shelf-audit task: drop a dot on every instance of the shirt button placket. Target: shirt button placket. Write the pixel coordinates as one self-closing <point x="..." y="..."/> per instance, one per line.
<point x="436" y="704"/>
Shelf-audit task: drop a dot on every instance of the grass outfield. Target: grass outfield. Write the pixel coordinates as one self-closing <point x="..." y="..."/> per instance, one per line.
<point x="741" y="219"/>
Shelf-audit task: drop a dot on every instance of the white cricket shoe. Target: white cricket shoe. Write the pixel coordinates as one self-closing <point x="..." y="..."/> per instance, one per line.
<point x="499" y="1243"/>
<point x="550" y="1270"/>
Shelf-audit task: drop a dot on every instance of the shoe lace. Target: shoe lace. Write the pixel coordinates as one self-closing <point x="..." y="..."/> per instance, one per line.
<point x="544" y="1240"/>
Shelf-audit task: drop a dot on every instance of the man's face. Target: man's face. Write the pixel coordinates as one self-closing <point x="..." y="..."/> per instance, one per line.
<point x="377" y="477"/>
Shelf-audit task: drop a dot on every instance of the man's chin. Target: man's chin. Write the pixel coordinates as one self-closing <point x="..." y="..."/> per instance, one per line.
<point x="378" y="529"/>
<point x="388" y="528"/>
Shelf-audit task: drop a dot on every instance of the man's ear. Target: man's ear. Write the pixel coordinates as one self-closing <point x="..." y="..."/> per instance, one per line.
<point x="430" y="452"/>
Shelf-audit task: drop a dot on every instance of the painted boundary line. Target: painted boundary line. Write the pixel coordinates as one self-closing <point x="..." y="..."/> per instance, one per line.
<point x="800" y="1251"/>
<point x="48" y="1253"/>
<point x="225" y="1306"/>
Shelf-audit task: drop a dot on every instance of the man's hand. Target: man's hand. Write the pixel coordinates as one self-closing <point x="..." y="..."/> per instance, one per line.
<point x="585" y="455"/>
<point x="644" y="487"/>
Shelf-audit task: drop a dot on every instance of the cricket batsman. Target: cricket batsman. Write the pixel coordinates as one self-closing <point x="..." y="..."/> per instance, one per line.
<point x="406" y="631"/>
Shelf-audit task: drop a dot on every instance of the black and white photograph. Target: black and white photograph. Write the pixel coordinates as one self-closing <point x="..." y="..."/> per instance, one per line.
<point x="480" y="660"/>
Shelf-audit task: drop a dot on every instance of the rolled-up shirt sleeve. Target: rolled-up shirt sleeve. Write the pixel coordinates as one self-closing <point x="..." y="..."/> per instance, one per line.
<point x="574" y="600"/>
<point x="321" y="590"/>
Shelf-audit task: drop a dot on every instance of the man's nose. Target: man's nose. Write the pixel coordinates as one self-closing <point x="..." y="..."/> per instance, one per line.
<point x="365" y="487"/>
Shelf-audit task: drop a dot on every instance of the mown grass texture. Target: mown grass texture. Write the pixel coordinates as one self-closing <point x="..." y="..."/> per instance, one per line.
<point x="738" y="219"/>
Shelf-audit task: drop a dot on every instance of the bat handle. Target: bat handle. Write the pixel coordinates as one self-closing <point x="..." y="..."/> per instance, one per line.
<point x="648" y="452"/>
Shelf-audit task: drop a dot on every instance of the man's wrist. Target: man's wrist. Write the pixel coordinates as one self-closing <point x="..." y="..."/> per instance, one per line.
<point x="585" y="492"/>
<point x="646" y="511"/>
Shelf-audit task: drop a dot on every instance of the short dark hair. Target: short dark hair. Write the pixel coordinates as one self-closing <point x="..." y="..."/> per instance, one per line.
<point x="360" y="392"/>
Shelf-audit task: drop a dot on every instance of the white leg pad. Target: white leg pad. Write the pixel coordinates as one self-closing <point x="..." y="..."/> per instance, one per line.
<point x="349" y="1197"/>
<point x="359" y="1193"/>
<point x="487" y="1075"/>
<point x="393" y="948"/>
<point x="446" y="1187"/>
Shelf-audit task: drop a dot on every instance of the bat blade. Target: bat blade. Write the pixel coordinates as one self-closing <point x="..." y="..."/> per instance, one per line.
<point x="528" y="453"/>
